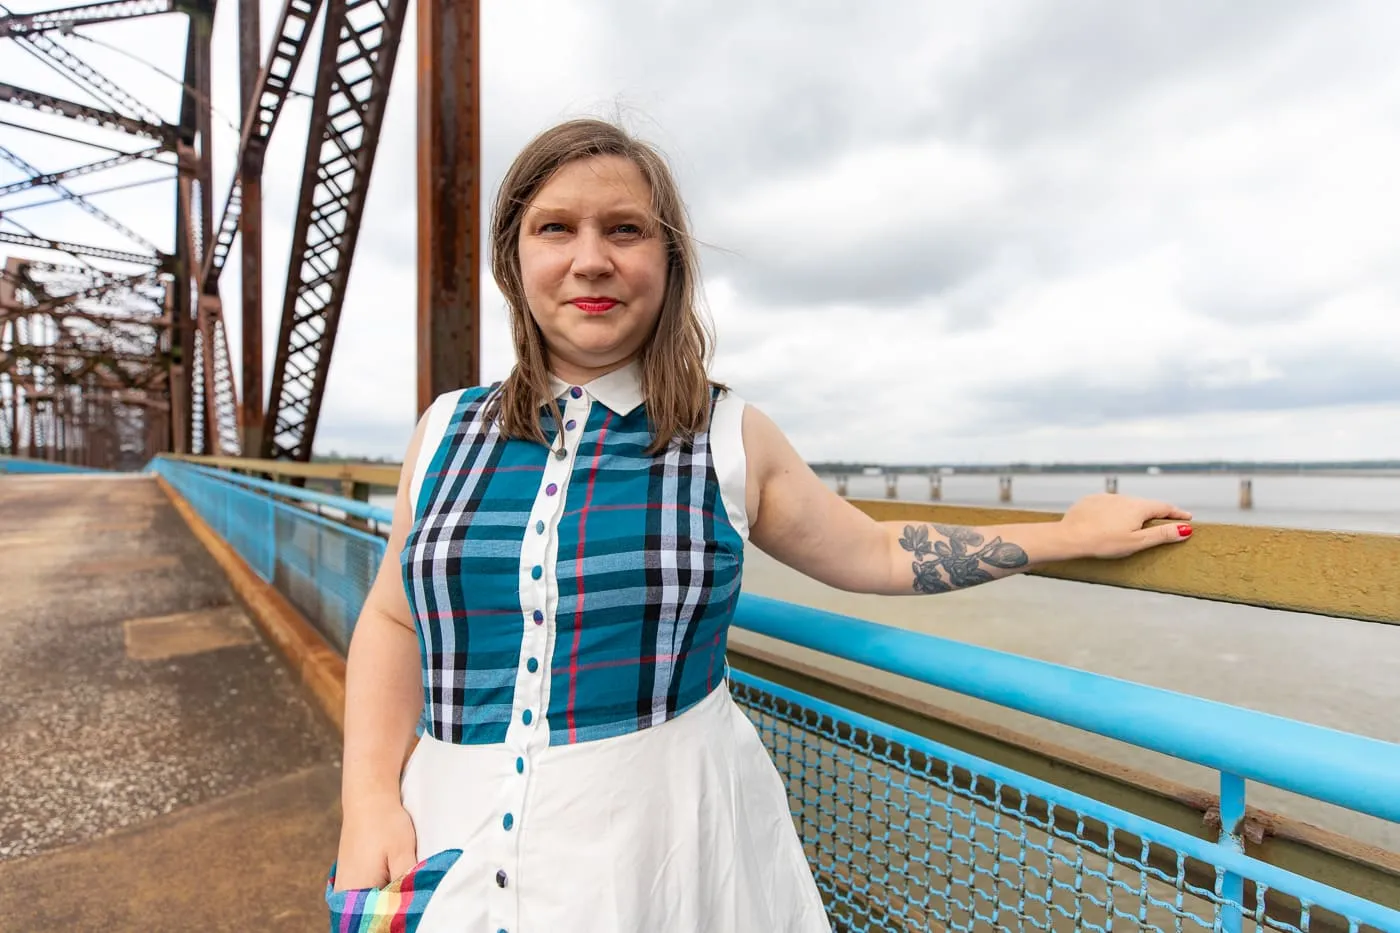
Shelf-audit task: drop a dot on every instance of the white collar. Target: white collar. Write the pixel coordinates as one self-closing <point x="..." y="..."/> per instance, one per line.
<point x="620" y="390"/>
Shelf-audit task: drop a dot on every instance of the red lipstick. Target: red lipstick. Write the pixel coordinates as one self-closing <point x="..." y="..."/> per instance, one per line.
<point x="595" y="305"/>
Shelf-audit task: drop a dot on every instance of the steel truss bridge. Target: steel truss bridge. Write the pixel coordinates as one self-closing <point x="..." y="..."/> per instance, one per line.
<point x="114" y="351"/>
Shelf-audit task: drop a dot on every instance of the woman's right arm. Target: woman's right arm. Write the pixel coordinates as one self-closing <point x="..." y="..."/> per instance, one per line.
<point x="383" y="701"/>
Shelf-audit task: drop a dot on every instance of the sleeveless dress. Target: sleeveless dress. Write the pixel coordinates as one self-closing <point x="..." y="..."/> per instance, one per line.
<point x="582" y="766"/>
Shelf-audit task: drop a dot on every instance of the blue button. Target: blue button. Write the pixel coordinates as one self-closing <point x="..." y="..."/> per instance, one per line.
<point x="539" y="527"/>
<point x="532" y="665"/>
<point x="520" y="766"/>
<point x="576" y="392"/>
<point x="527" y="716"/>
<point x="508" y="822"/>
<point x="570" y="424"/>
<point x="536" y="572"/>
<point x="539" y="617"/>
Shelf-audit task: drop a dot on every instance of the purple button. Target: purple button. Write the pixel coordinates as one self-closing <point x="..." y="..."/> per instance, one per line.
<point x="576" y="392"/>
<point x="570" y="424"/>
<point x="539" y="617"/>
<point x="551" y="489"/>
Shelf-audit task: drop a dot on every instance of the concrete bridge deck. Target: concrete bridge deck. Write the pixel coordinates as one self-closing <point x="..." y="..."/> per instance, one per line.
<point x="162" y="770"/>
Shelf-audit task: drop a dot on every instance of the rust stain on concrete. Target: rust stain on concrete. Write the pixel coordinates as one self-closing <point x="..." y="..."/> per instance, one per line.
<point x="182" y="633"/>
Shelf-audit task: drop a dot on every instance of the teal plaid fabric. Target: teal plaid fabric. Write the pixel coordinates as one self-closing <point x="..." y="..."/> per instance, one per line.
<point x="648" y="572"/>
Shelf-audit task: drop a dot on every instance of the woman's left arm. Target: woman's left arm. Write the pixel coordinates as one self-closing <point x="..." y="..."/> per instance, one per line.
<point x="799" y="520"/>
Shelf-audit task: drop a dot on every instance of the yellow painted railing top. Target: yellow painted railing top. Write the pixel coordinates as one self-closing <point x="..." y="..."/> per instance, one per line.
<point x="1335" y="573"/>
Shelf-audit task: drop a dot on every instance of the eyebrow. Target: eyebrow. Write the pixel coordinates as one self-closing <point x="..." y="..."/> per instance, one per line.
<point x="607" y="214"/>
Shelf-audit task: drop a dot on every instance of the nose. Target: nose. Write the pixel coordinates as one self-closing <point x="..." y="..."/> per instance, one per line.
<point x="592" y="258"/>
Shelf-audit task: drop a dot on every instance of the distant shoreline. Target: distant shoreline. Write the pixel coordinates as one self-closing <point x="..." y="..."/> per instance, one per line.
<point x="830" y="468"/>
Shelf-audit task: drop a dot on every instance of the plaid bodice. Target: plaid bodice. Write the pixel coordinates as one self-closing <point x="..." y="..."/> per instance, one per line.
<point x="575" y="592"/>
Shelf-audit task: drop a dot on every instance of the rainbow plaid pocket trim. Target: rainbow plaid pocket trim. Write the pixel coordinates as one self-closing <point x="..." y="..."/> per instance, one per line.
<point x="397" y="907"/>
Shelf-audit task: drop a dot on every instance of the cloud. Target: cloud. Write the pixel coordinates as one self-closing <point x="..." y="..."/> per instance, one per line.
<point x="936" y="228"/>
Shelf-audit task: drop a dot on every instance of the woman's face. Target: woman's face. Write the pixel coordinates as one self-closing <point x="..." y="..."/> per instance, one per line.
<point x="593" y="263"/>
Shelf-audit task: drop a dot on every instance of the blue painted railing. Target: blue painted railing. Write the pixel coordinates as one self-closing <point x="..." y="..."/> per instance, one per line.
<point x="904" y="832"/>
<point x="17" y="465"/>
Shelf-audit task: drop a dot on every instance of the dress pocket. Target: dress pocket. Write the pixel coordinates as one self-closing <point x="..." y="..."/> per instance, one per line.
<point x="399" y="905"/>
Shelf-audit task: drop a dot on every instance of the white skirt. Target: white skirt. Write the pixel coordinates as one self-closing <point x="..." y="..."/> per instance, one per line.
<point x="680" y="827"/>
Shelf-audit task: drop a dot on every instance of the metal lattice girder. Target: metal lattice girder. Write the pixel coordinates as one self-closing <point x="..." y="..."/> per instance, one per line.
<point x="163" y="133"/>
<point x="68" y="64"/>
<point x="217" y="371"/>
<point x="79" y="170"/>
<point x="275" y="80"/>
<point x="19" y="24"/>
<point x="81" y="202"/>
<point x="62" y="303"/>
<point x="358" y="49"/>
<point x="78" y="249"/>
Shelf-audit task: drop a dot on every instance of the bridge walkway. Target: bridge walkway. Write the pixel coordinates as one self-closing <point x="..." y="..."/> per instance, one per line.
<point x="162" y="767"/>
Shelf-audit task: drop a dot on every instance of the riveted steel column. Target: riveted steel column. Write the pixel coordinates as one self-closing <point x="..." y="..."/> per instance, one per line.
<point x="250" y="176"/>
<point x="449" y="197"/>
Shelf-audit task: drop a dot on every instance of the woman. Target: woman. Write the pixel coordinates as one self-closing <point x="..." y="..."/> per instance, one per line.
<point x="571" y="545"/>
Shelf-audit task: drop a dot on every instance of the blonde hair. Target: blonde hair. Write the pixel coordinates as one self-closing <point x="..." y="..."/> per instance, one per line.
<point x="676" y="387"/>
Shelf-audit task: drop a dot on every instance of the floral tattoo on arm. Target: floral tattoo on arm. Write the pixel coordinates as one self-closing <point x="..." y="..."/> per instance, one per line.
<point x="943" y="566"/>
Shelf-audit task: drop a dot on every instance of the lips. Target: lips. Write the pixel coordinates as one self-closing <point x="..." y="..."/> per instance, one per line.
<point x="595" y="305"/>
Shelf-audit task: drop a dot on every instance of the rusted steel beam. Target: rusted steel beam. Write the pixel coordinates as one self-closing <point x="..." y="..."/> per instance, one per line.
<point x="182" y="336"/>
<point x="163" y="133"/>
<point x="449" y="197"/>
<point x="250" y="180"/>
<point x="273" y="84"/>
<point x="358" y="50"/>
<point x="67" y="63"/>
<point x="79" y="249"/>
<point x="19" y="24"/>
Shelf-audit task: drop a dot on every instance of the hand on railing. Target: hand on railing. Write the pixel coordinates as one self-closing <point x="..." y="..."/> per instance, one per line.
<point x="1112" y="526"/>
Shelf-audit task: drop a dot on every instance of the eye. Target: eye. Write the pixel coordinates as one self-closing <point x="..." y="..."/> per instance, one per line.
<point x="628" y="230"/>
<point x="552" y="226"/>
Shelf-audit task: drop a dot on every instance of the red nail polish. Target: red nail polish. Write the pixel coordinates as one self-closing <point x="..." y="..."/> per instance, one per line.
<point x="1184" y="530"/>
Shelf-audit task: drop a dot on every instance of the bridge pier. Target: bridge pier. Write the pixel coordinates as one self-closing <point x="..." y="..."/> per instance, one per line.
<point x="841" y="486"/>
<point x="891" y="485"/>
<point x="1110" y="484"/>
<point x="1004" y="493"/>
<point x="935" y="488"/>
<point x="1246" y="492"/>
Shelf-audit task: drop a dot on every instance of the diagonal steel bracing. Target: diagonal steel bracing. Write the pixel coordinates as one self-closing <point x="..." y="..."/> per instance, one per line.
<point x="19" y="24"/>
<point x="81" y="202"/>
<point x="358" y="49"/>
<point x="270" y="93"/>
<point x="78" y="171"/>
<point x="163" y="133"/>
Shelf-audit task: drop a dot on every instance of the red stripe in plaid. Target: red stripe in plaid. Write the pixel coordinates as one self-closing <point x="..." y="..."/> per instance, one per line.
<point x="578" y="611"/>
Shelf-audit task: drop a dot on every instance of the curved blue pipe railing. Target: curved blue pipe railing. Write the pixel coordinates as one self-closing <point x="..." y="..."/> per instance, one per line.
<point x="352" y="507"/>
<point x="18" y="465"/>
<point x="1353" y="771"/>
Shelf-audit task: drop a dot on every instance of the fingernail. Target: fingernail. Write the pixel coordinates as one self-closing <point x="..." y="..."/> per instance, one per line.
<point x="1184" y="530"/>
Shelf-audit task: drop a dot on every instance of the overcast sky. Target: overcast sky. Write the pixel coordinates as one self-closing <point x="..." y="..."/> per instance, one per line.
<point x="937" y="231"/>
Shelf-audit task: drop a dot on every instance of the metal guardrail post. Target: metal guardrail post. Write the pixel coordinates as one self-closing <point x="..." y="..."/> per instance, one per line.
<point x="1231" y="835"/>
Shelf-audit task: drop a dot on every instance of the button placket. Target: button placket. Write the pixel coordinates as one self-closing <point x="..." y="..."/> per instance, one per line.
<point x="528" y="729"/>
